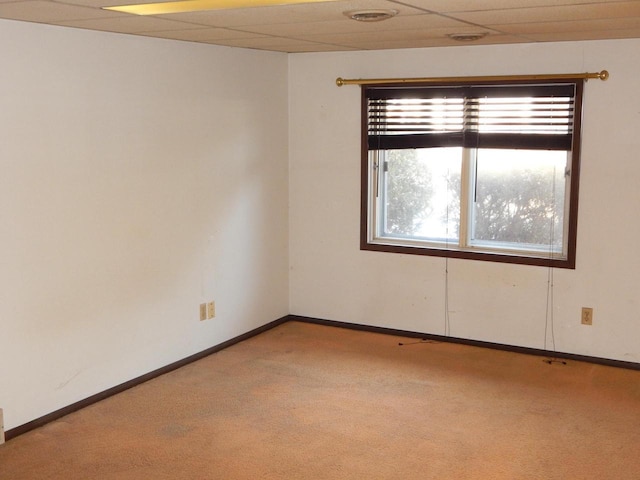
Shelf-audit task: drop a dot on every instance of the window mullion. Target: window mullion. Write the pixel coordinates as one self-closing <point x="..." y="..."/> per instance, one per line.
<point x="466" y="196"/>
<point x="467" y="175"/>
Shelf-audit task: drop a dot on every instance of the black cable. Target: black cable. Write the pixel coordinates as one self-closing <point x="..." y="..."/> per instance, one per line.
<point x="422" y="340"/>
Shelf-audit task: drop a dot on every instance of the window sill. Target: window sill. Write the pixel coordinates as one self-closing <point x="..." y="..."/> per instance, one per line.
<point x="501" y="257"/>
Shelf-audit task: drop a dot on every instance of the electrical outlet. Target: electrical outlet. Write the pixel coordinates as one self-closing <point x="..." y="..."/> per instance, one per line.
<point x="211" y="309"/>
<point x="587" y="316"/>
<point x="203" y="311"/>
<point x="1" y="427"/>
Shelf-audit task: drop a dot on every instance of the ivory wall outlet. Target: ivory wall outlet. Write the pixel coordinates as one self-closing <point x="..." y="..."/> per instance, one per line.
<point x="211" y="309"/>
<point x="587" y="316"/>
<point x="203" y="311"/>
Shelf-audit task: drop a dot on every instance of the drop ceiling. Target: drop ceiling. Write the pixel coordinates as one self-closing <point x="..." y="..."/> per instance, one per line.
<point x="323" y="27"/>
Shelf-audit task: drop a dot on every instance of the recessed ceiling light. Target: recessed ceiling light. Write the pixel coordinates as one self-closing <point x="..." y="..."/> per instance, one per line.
<point x="371" y="15"/>
<point x="201" y="5"/>
<point x="467" y="37"/>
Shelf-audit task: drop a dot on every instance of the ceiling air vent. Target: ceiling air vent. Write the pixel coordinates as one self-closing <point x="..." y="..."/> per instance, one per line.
<point x="371" y="15"/>
<point x="467" y="37"/>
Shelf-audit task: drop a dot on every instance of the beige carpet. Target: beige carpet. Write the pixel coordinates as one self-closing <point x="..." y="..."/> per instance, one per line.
<point x="312" y="402"/>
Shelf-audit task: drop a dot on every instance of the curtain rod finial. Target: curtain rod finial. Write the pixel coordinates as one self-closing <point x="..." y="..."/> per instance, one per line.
<point x="340" y="81"/>
<point x="604" y="75"/>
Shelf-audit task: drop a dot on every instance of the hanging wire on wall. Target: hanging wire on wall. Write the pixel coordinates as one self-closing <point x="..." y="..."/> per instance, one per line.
<point x="549" y="314"/>
<point x="549" y="307"/>
<point x="447" y="320"/>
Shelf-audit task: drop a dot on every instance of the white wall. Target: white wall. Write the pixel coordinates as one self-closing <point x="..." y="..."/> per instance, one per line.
<point x="138" y="178"/>
<point x="330" y="278"/>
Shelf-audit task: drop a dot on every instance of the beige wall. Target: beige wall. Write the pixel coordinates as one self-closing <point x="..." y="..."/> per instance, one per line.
<point x="138" y="178"/>
<point x="330" y="278"/>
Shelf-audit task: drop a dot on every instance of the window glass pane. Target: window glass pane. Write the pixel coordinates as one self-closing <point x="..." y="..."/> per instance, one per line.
<point x="522" y="115"/>
<point x="421" y="193"/>
<point x="519" y="199"/>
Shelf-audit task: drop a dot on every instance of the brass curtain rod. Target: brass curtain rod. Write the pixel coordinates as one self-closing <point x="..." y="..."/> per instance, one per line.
<point x="603" y="75"/>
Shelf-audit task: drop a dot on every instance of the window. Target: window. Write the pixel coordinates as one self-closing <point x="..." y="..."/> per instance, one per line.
<point x="483" y="171"/>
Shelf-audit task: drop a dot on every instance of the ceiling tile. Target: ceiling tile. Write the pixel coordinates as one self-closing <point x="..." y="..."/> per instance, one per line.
<point x="444" y="6"/>
<point x="204" y="35"/>
<point x="604" y="25"/>
<point x="579" y="35"/>
<point x="129" y="24"/>
<point x="552" y="14"/>
<point x="310" y="47"/>
<point x="280" y="44"/>
<point x="44" y="12"/>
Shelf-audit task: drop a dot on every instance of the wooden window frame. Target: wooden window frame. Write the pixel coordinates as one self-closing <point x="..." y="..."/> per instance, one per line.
<point x="572" y="222"/>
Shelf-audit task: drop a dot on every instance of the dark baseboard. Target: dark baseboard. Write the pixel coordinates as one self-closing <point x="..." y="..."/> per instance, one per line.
<point x="39" y="422"/>
<point x="475" y="343"/>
